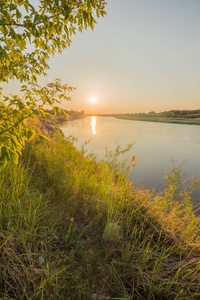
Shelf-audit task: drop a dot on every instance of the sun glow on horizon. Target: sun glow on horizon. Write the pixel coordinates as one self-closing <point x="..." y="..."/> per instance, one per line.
<point x="93" y="99"/>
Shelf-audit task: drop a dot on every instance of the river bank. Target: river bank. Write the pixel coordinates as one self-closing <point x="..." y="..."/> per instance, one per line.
<point x="72" y="228"/>
<point x="160" y="120"/>
<point x="190" y="117"/>
<point x="158" y="147"/>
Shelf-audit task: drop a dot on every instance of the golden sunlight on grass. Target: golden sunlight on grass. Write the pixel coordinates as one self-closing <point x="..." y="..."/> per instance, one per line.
<point x="74" y="228"/>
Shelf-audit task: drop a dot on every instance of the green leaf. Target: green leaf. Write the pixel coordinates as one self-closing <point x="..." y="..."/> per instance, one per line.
<point x="43" y="137"/>
<point x="22" y="44"/>
<point x="15" y="141"/>
<point x="12" y="33"/>
<point x="7" y="62"/>
<point x="14" y="156"/>
<point x="4" y="29"/>
<point x="18" y="14"/>
<point x="98" y="12"/>
<point x="56" y="110"/>
<point x="30" y="135"/>
<point x="3" y="156"/>
<point x="4" y="138"/>
<point x="41" y="112"/>
<point x="56" y="2"/>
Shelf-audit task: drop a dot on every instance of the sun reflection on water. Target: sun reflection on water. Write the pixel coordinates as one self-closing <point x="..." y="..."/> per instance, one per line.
<point x="93" y="123"/>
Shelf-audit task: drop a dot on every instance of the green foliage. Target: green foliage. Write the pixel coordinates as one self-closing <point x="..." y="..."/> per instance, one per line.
<point x="47" y="25"/>
<point x="30" y="33"/>
<point x="14" y="111"/>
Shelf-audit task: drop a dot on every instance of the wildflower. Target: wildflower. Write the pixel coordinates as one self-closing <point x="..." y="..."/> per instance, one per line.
<point x="132" y="164"/>
<point x="40" y="260"/>
<point x="133" y="158"/>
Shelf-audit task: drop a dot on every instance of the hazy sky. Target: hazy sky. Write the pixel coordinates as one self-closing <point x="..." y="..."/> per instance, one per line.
<point x="143" y="56"/>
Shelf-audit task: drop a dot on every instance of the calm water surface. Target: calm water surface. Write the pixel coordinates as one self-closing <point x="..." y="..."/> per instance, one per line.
<point x="155" y="145"/>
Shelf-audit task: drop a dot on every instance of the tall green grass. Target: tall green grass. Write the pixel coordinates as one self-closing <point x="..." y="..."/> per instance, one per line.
<point x="72" y="228"/>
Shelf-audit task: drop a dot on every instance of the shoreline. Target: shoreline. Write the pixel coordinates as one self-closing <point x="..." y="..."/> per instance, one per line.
<point x="169" y="121"/>
<point x="156" y="120"/>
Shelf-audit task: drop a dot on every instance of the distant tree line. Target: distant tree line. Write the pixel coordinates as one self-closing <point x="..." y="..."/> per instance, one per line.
<point x="173" y="114"/>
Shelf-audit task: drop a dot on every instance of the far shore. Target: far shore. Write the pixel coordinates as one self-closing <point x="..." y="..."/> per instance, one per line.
<point x="188" y="117"/>
<point x="163" y="120"/>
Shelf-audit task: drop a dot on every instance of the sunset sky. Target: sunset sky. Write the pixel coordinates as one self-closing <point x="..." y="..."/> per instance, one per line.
<point x="143" y="56"/>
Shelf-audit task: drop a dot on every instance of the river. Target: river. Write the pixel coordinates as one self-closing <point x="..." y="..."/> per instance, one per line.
<point x="155" y="145"/>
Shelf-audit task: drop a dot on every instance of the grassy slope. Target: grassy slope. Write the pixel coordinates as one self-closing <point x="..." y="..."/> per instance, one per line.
<point x="72" y="228"/>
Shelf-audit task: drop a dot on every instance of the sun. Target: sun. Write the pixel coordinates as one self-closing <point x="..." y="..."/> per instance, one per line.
<point x="93" y="100"/>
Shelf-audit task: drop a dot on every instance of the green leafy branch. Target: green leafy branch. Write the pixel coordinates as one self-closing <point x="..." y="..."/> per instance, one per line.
<point x="47" y="26"/>
<point x="15" y="110"/>
<point x="30" y="33"/>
